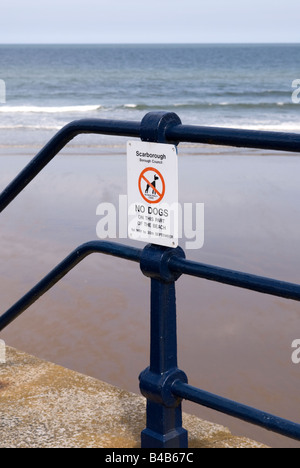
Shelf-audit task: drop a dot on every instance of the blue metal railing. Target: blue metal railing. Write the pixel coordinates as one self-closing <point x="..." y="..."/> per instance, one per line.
<point x="162" y="383"/>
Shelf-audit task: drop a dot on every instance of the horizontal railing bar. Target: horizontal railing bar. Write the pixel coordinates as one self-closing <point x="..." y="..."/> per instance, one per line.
<point x="237" y="410"/>
<point x="107" y="248"/>
<point x="236" y="278"/>
<point x="181" y="133"/>
<point x="58" y="142"/>
<point x="277" y="141"/>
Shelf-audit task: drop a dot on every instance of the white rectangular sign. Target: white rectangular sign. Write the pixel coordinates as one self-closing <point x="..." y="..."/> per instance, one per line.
<point x="152" y="179"/>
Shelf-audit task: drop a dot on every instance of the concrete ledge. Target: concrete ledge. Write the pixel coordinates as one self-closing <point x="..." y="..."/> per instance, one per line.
<point x="43" y="405"/>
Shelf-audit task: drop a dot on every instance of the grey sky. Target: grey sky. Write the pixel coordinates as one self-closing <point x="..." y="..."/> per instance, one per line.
<point x="123" y="21"/>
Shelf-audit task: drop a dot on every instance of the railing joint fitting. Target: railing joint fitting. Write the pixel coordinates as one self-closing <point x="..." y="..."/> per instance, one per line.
<point x="154" y="126"/>
<point x="155" y="259"/>
<point x="158" y="387"/>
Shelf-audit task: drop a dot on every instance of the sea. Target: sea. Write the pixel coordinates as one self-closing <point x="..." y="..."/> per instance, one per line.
<point x="231" y="342"/>
<point x="244" y="86"/>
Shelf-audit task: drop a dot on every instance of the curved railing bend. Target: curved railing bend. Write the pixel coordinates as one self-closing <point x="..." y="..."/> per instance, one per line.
<point x="61" y="270"/>
<point x="161" y="127"/>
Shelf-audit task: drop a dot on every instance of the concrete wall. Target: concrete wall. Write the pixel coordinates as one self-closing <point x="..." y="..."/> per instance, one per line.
<point x="43" y="405"/>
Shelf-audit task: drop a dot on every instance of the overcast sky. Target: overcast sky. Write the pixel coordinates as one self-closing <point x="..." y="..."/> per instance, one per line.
<point x="154" y="21"/>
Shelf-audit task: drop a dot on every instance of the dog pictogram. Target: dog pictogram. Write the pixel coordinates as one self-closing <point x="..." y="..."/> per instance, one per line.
<point x="152" y="185"/>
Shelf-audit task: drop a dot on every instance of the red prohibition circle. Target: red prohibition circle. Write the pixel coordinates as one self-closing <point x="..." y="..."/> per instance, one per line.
<point x="143" y="177"/>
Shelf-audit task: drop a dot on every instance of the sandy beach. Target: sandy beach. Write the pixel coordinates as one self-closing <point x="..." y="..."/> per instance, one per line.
<point x="232" y="342"/>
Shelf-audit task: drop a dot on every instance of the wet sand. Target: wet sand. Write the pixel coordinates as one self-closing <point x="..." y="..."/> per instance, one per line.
<point x="232" y="342"/>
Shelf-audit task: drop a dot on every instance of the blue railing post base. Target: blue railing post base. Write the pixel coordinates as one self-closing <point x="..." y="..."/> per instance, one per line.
<point x="164" y="412"/>
<point x="174" y="436"/>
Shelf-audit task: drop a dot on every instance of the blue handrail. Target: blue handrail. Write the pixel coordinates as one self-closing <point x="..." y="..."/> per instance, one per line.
<point x="77" y="256"/>
<point x="162" y="383"/>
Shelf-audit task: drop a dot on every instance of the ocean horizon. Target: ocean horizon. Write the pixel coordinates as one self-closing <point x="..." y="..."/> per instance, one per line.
<point x="231" y="85"/>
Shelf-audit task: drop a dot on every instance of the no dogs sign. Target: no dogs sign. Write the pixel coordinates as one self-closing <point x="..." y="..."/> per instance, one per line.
<point x="152" y="175"/>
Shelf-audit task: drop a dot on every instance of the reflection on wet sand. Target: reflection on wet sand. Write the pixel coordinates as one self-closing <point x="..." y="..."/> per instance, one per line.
<point x="232" y="342"/>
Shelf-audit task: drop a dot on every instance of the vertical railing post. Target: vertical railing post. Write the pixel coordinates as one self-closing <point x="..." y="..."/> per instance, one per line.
<point x="164" y="413"/>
